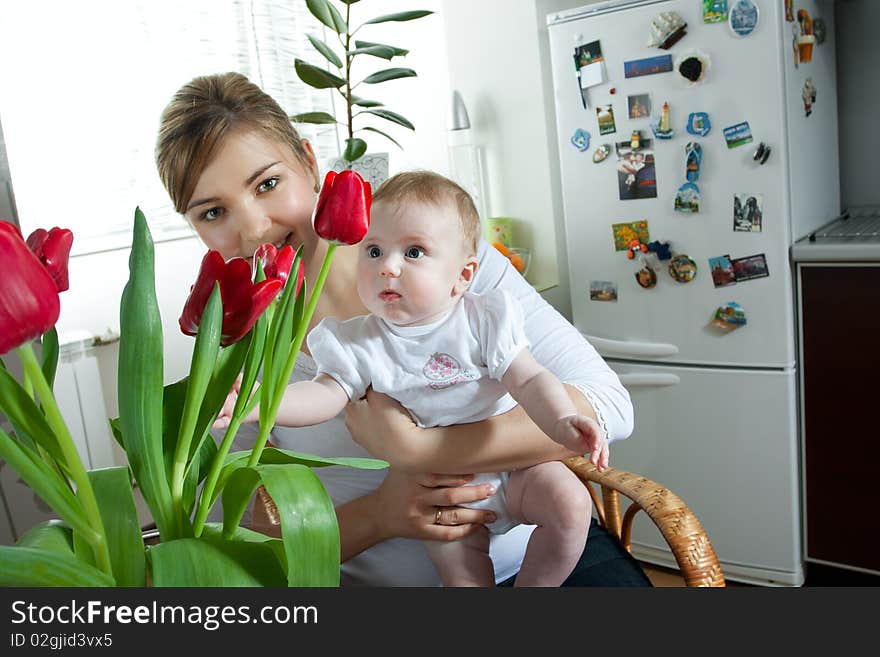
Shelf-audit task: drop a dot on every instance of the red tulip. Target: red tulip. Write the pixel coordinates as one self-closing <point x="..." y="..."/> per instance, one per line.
<point x="52" y="247"/>
<point x="29" y="303"/>
<point x="342" y="214"/>
<point x="243" y="300"/>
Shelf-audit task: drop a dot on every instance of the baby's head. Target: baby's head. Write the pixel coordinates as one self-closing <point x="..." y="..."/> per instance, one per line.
<point x="419" y="255"/>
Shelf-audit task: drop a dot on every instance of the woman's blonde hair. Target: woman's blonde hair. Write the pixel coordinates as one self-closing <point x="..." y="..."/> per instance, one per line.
<point x="201" y="115"/>
<point x="430" y="187"/>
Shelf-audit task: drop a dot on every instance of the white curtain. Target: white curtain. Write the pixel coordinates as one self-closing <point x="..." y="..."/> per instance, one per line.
<point x="82" y="86"/>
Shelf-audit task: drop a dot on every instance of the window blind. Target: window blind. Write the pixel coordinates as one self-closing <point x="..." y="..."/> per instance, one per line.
<point x="84" y="84"/>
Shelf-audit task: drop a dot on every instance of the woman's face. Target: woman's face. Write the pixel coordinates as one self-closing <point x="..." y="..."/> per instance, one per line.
<point x="254" y="191"/>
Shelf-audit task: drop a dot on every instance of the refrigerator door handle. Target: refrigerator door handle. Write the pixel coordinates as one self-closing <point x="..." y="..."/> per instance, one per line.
<point x="627" y="348"/>
<point x="653" y="379"/>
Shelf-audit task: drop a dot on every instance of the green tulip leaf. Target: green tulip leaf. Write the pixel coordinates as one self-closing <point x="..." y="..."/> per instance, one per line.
<point x="400" y="16"/>
<point x="354" y="148"/>
<point x="318" y="118"/>
<point x="387" y="136"/>
<point x="398" y="52"/>
<point x="237" y="494"/>
<point x="196" y="471"/>
<point x="394" y="117"/>
<point x="113" y="490"/>
<point x="50" y="355"/>
<point x="52" y="535"/>
<point x="29" y="566"/>
<point x="384" y="52"/>
<point x="26" y="417"/>
<point x="389" y="74"/>
<point x="316" y="77"/>
<point x="362" y="102"/>
<point x="325" y="50"/>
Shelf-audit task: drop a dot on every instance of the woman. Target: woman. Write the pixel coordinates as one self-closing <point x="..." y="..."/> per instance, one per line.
<point x="236" y="168"/>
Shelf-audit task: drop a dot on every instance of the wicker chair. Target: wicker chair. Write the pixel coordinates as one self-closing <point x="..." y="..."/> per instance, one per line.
<point x="680" y="528"/>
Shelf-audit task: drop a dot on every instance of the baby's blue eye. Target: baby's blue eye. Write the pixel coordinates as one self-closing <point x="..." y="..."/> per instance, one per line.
<point x="374" y="251"/>
<point x="414" y="252"/>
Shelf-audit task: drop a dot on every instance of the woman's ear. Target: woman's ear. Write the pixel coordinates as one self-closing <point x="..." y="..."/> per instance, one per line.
<point x="311" y="162"/>
<point x="465" y="276"/>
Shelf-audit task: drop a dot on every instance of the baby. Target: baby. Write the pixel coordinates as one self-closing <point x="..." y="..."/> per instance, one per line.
<point x="449" y="357"/>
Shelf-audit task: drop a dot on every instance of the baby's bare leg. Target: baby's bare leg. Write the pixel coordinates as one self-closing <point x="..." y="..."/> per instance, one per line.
<point x="464" y="562"/>
<point x="551" y="496"/>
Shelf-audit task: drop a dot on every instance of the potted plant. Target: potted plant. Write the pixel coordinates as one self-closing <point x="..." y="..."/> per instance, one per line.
<point x="244" y="321"/>
<point x="356" y="107"/>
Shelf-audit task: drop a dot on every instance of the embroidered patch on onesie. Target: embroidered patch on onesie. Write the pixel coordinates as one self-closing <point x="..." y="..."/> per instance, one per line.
<point x="443" y="371"/>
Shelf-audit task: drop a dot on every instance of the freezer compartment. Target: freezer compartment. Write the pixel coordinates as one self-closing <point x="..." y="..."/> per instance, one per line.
<point x="725" y="441"/>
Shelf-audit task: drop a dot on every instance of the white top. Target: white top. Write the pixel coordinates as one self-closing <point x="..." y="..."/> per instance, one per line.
<point x="555" y="343"/>
<point x="443" y="373"/>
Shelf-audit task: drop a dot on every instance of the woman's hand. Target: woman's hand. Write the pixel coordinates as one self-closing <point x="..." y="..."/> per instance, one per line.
<point x="382" y="426"/>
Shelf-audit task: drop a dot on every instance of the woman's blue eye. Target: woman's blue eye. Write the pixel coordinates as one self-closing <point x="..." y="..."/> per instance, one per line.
<point x="374" y="251"/>
<point x="268" y="184"/>
<point x="414" y="252"/>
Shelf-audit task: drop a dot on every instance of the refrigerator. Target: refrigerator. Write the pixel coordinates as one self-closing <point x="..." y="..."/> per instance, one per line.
<point x="701" y="326"/>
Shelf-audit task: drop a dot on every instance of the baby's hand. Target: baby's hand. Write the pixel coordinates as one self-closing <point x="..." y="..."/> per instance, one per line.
<point x="583" y="434"/>
<point x="225" y="415"/>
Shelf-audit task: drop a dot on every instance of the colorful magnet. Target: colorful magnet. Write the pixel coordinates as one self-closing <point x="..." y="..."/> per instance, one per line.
<point x="722" y="271"/>
<point x="581" y="139"/>
<point x="693" y="66"/>
<point x="666" y="30"/>
<point x="738" y="135"/>
<point x="639" y="106"/>
<point x="646" y="277"/>
<point x="588" y="61"/>
<point x="748" y="211"/>
<point x="601" y="152"/>
<point x="789" y="10"/>
<point x="729" y="317"/>
<point x="648" y="66"/>
<point x="660" y="249"/>
<point x="714" y="11"/>
<point x="603" y="291"/>
<point x="661" y="127"/>
<point x="693" y="161"/>
<point x="682" y="268"/>
<point x="635" y="140"/>
<point x="698" y="124"/>
<point x="687" y="198"/>
<point x="750" y="267"/>
<point x="636" y="175"/>
<point x="808" y="94"/>
<point x="635" y="246"/>
<point x="762" y="153"/>
<point x="605" y="117"/>
<point x="627" y="232"/>
<point x="743" y="18"/>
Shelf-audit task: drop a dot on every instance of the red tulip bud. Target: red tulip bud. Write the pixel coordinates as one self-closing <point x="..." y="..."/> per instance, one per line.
<point x="243" y="300"/>
<point x="342" y="214"/>
<point x="52" y="247"/>
<point x="29" y="303"/>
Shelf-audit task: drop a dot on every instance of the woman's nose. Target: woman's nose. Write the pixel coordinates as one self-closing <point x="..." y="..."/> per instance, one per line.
<point x="253" y="226"/>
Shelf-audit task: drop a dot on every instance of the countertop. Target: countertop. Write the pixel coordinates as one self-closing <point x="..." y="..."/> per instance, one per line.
<point x="852" y="237"/>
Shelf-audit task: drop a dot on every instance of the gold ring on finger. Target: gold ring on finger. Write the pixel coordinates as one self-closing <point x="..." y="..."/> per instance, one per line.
<point x="437" y="516"/>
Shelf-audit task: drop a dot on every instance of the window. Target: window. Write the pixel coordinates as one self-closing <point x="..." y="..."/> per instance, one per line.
<point x="84" y="84"/>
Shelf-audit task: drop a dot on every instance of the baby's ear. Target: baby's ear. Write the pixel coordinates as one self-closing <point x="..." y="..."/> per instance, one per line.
<point x="466" y="275"/>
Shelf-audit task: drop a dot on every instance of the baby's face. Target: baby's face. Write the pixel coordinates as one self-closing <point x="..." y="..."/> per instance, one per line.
<point x="412" y="262"/>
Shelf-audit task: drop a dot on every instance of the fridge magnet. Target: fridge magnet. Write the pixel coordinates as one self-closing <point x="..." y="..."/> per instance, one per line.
<point x="636" y="177"/>
<point x="590" y="71"/>
<point x="682" y="268"/>
<point x="635" y="247"/>
<point x="750" y="267"/>
<point x="639" y="106"/>
<point x="789" y="10"/>
<point x="747" y="212"/>
<point x="714" y="11"/>
<point x="687" y="198"/>
<point x="738" y="135"/>
<point x="601" y="152"/>
<point x="698" y="124"/>
<point x="693" y="66"/>
<point x="667" y="28"/>
<point x="729" y="317"/>
<point x="660" y="249"/>
<point x="762" y="153"/>
<point x="635" y="140"/>
<point x="661" y="126"/>
<point x="806" y="39"/>
<point x="581" y="139"/>
<point x="722" y="271"/>
<point x="693" y="161"/>
<point x="819" y="30"/>
<point x="808" y="94"/>
<point x="646" y="277"/>
<point x="605" y="116"/>
<point x="625" y="233"/>
<point x="603" y="291"/>
<point x="648" y="66"/>
<point x="743" y="17"/>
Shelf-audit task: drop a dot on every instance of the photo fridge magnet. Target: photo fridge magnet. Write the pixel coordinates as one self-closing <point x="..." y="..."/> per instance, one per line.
<point x="750" y="267"/>
<point x="729" y="317"/>
<point x="722" y="271"/>
<point x="603" y="291"/>
<point x="743" y="17"/>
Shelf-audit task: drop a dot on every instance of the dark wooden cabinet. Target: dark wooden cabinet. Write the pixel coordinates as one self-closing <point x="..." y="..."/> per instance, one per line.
<point x="840" y="325"/>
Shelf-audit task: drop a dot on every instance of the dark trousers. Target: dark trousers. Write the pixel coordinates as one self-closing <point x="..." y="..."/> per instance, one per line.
<point x="603" y="563"/>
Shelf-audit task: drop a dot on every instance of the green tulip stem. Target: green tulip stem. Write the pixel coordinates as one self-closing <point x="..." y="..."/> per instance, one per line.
<point x="75" y="467"/>
<point x="207" y="494"/>
<point x="280" y="382"/>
